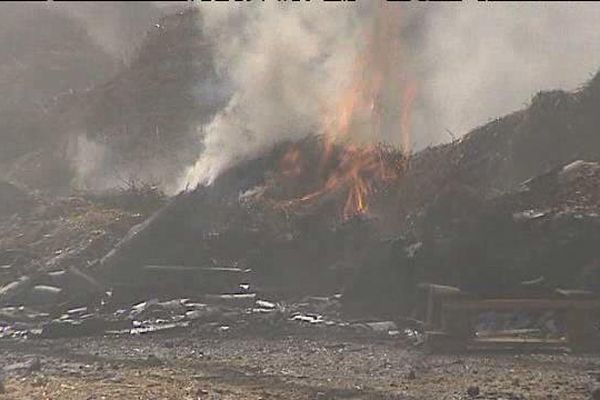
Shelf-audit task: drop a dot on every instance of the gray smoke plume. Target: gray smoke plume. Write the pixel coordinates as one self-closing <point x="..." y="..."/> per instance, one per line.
<point x="118" y="27"/>
<point x="286" y="63"/>
<point x="470" y="62"/>
<point x="479" y="61"/>
<point x="290" y="64"/>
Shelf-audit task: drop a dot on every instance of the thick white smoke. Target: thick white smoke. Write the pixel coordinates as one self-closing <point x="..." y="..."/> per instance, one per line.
<point x="471" y="61"/>
<point x="483" y="60"/>
<point x="287" y="62"/>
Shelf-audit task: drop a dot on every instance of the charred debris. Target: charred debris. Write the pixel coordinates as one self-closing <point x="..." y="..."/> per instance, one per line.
<point x="512" y="206"/>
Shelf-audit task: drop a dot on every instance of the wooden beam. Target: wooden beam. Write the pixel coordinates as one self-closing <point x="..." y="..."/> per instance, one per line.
<point x="519" y="304"/>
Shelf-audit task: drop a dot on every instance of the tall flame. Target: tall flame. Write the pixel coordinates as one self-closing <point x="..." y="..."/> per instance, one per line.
<point x="359" y="114"/>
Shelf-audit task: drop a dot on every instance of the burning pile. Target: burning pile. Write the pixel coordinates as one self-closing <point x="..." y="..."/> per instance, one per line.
<point x="296" y="211"/>
<point x="313" y="173"/>
<point x="349" y="162"/>
<point x="358" y="112"/>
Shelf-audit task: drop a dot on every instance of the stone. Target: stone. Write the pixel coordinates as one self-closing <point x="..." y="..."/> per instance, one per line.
<point x="473" y="391"/>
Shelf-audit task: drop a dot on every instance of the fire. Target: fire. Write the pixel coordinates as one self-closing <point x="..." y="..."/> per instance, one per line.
<point x="364" y="170"/>
<point x="291" y="162"/>
<point x="348" y="163"/>
<point x="405" y="116"/>
<point x="354" y="171"/>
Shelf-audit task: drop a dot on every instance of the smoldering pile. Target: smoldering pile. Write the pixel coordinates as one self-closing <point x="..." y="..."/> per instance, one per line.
<point x="262" y="231"/>
<point x="277" y="229"/>
<point x="285" y="222"/>
<point x="355" y="227"/>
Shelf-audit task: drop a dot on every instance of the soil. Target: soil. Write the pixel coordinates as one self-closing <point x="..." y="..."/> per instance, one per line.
<point x="194" y="365"/>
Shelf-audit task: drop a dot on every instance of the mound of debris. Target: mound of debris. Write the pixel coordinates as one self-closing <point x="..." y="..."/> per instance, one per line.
<point x="556" y="129"/>
<point x="546" y="229"/>
<point x="46" y="240"/>
<point x="456" y="214"/>
<point x="147" y="115"/>
<point x="506" y="204"/>
<point x="38" y="71"/>
<point x="464" y="216"/>
<point x="256" y="216"/>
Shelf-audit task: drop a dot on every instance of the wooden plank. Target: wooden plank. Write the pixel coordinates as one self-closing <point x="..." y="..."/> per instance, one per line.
<point x="581" y="331"/>
<point x="195" y="269"/>
<point x="518" y="344"/>
<point x="435" y="297"/>
<point x="520" y="304"/>
<point x="515" y="341"/>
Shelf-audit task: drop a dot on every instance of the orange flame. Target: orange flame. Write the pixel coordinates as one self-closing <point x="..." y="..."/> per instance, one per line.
<point x="405" y="117"/>
<point x="361" y="168"/>
<point x="291" y="162"/>
<point x="359" y="171"/>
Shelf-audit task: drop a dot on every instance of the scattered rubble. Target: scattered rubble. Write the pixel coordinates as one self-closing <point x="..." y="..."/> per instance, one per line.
<point x="272" y="247"/>
<point x="490" y="214"/>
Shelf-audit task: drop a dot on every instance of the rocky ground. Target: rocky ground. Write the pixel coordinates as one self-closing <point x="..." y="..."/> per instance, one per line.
<point x="192" y="365"/>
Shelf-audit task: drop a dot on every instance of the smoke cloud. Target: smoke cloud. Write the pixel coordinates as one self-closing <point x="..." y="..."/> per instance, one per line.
<point x="286" y="63"/>
<point x="479" y="61"/>
<point x="469" y="62"/>
<point x="289" y="64"/>
<point x="118" y="27"/>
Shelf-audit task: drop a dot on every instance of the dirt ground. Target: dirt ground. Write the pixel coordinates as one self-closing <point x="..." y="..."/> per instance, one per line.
<point x="189" y="365"/>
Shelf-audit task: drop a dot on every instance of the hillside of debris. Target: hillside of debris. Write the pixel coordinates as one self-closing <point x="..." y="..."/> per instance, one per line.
<point x="479" y="213"/>
<point x="45" y="56"/>
<point x="40" y="232"/>
<point x="470" y="213"/>
<point x="515" y="200"/>
<point x="145" y="119"/>
<point x="557" y="128"/>
<point x="458" y="214"/>
<point x="77" y="117"/>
